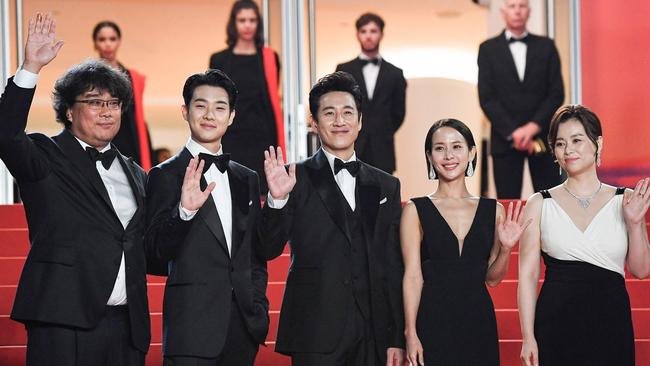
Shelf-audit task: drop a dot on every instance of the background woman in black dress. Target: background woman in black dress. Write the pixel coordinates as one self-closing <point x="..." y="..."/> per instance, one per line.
<point x="133" y="138"/>
<point x="453" y="243"/>
<point x="256" y="126"/>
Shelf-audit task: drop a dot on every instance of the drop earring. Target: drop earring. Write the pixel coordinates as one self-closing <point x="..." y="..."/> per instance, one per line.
<point x="470" y="170"/>
<point x="598" y="159"/>
<point x="432" y="172"/>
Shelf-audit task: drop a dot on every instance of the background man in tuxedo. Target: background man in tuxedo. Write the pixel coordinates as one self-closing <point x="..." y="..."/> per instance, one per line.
<point x="201" y="220"/>
<point x="520" y="87"/>
<point x="83" y="293"/>
<point x="343" y="300"/>
<point x="383" y="88"/>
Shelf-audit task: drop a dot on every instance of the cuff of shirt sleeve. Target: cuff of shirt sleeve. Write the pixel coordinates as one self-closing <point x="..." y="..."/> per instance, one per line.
<point x="25" y="79"/>
<point x="276" y="204"/>
<point x="185" y="214"/>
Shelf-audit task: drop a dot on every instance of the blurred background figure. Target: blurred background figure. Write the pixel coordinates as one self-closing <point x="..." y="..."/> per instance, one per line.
<point x="520" y="87"/>
<point x="384" y="95"/>
<point x="133" y="139"/>
<point x="255" y="69"/>
<point x="162" y="154"/>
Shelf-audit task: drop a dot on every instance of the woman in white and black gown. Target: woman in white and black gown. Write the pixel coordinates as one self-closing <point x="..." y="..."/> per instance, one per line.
<point x="586" y="232"/>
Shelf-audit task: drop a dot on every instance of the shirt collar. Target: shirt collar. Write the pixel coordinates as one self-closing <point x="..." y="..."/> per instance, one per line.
<point x="85" y="145"/>
<point x="330" y="158"/>
<point x="510" y="35"/>
<point x="195" y="148"/>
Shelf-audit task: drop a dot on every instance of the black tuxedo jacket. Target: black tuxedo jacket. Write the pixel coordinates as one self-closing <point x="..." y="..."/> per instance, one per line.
<point x="318" y="292"/>
<point x="382" y="115"/>
<point x="76" y="237"/>
<point x="203" y="278"/>
<point x="508" y="102"/>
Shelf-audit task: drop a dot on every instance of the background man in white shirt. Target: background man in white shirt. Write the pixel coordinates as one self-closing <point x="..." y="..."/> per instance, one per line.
<point x="383" y="89"/>
<point x="520" y="87"/>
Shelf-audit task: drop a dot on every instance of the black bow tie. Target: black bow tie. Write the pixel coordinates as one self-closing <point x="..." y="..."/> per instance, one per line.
<point x="105" y="157"/>
<point x="351" y="166"/>
<point x="220" y="161"/>
<point x="523" y="39"/>
<point x="364" y="62"/>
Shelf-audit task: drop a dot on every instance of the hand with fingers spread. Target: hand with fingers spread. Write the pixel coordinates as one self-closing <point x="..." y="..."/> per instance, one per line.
<point x="280" y="182"/>
<point x="192" y="198"/>
<point x="511" y="229"/>
<point x="636" y="203"/>
<point x="40" y="47"/>
<point x="414" y="351"/>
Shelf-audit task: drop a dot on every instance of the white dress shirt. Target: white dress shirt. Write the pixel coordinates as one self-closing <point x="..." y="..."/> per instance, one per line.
<point x="346" y="182"/>
<point x="370" y="72"/>
<point x="518" y="50"/>
<point x="220" y="194"/>
<point x="118" y="188"/>
<point x="123" y="201"/>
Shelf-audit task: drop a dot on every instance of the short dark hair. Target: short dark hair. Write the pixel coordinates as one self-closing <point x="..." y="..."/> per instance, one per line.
<point x="212" y="77"/>
<point x="337" y="81"/>
<point x="104" y="24"/>
<point x="231" y="27"/>
<point x="369" y="18"/>
<point x="582" y="114"/>
<point x="89" y="75"/>
<point x="456" y="125"/>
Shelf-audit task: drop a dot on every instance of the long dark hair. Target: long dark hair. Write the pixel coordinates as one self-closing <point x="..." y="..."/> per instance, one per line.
<point x="104" y="24"/>
<point x="231" y="28"/>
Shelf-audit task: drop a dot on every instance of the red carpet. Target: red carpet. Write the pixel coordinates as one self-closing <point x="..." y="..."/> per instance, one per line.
<point x="14" y="246"/>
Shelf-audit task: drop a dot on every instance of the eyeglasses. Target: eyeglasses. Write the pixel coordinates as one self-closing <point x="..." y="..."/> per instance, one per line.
<point x="97" y="104"/>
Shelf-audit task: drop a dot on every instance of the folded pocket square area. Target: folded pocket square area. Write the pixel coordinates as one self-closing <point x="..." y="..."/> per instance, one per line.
<point x="250" y="202"/>
<point x="383" y="200"/>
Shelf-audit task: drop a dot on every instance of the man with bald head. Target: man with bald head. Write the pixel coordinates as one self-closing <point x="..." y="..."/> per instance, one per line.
<point x="520" y="87"/>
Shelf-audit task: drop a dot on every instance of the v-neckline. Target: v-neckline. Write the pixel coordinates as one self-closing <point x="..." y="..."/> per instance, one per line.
<point x="460" y="249"/>
<point x="583" y="232"/>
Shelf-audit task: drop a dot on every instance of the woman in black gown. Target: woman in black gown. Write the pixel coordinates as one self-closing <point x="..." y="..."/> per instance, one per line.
<point x="254" y="128"/>
<point x="453" y="243"/>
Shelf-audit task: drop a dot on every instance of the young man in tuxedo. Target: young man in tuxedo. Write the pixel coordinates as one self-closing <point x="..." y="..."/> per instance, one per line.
<point x="343" y="299"/>
<point x="520" y="87"/>
<point x="383" y="89"/>
<point x="82" y="294"/>
<point x="202" y="212"/>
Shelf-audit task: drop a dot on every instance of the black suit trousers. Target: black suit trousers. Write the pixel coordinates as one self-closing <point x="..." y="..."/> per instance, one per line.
<point x="509" y="173"/>
<point x="240" y="348"/>
<point x="109" y="343"/>
<point x="356" y="348"/>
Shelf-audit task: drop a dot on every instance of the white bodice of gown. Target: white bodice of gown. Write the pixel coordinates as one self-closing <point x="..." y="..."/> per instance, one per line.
<point x="603" y="243"/>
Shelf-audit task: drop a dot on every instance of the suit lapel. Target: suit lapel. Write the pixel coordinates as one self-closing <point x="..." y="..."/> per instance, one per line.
<point x="380" y="79"/>
<point x="504" y="49"/>
<point x="136" y="188"/>
<point x="240" y="197"/>
<point x="531" y="48"/>
<point x="323" y="180"/>
<point x="369" y="191"/>
<point x="358" y="76"/>
<point x="211" y="218"/>
<point x="80" y="160"/>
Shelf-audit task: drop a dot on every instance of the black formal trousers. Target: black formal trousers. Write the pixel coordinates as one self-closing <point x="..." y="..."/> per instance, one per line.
<point x="357" y="346"/>
<point x="109" y="343"/>
<point x="382" y="115"/>
<point x="509" y="172"/>
<point x="240" y="348"/>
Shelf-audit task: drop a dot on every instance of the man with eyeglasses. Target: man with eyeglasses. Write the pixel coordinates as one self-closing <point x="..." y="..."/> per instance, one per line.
<point x="82" y="294"/>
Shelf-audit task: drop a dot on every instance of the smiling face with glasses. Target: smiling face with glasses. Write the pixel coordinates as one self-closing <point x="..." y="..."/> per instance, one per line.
<point x="95" y="117"/>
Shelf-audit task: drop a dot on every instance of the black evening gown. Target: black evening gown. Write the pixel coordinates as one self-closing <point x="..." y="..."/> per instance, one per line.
<point x="253" y="129"/>
<point x="456" y="322"/>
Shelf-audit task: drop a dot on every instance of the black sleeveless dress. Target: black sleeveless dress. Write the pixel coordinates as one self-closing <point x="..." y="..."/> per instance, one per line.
<point x="456" y="322"/>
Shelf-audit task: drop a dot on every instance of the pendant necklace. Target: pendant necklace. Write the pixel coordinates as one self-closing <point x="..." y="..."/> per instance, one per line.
<point x="584" y="202"/>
